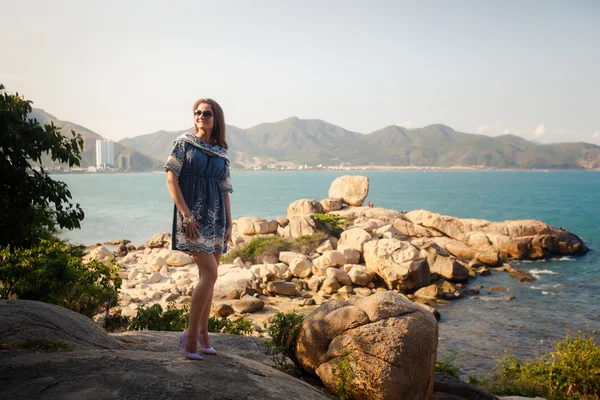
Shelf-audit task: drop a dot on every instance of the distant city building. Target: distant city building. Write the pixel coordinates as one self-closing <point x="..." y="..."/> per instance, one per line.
<point x="105" y="153"/>
<point x="124" y="161"/>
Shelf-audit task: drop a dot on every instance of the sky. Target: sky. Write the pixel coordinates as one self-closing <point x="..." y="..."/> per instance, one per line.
<point x="127" y="68"/>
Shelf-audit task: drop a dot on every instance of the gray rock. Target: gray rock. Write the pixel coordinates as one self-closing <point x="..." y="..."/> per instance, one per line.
<point x="446" y="387"/>
<point x="146" y="364"/>
<point x="29" y="320"/>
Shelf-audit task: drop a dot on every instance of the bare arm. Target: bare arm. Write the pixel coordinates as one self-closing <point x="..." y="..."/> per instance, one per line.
<point x="228" y="213"/>
<point x="191" y="230"/>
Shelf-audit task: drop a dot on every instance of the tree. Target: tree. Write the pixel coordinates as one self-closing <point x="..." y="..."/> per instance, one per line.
<point x="32" y="205"/>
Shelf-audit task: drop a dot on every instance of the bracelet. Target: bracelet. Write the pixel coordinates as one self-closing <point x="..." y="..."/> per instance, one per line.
<point x="188" y="220"/>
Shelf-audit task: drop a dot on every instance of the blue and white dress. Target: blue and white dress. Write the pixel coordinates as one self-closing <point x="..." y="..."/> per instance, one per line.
<point x="204" y="177"/>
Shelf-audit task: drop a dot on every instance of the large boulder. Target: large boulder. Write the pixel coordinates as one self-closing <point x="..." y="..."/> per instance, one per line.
<point x="100" y="253"/>
<point x="352" y="255"/>
<point x="330" y="258"/>
<point x="382" y="214"/>
<point x="143" y="365"/>
<point x="301" y="225"/>
<point x="462" y="251"/>
<point x="400" y="264"/>
<point x="304" y="206"/>
<point x="161" y="239"/>
<point x="354" y="238"/>
<point x="351" y="189"/>
<point x="232" y="281"/>
<point x="441" y="263"/>
<point x="247" y="304"/>
<point x="389" y="342"/>
<point x="288" y="256"/>
<point x="331" y="205"/>
<point x="407" y="228"/>
<point x="26" y="320"/>
<point x="178" y="258"/>
<point x="256" y="226"/>
<point x="360" y="275"/>
<point x="301" y="267"/>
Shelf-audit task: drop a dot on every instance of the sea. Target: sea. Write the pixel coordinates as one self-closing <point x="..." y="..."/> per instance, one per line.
<point x="474" y="333"/>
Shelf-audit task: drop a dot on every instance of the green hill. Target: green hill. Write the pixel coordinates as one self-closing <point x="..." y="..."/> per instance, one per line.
<point x="139" y="161"/>
<point x="311" y="141"/>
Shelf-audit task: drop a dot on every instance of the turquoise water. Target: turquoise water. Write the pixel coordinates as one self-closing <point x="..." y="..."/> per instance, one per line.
<point x="565" y="297"/>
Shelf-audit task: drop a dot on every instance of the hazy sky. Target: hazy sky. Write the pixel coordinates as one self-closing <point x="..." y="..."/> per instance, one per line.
<point x="126" y="68"/>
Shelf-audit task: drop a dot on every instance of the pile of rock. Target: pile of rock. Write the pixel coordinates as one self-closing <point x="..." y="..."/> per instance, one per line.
<point x="419" y="253"/>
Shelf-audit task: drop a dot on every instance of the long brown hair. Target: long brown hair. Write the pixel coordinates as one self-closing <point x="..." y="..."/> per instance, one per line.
<point x="217" y="136"/>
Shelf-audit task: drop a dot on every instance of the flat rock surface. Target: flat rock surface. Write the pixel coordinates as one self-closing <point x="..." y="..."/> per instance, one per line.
<point x="131" y="365"/>
<point x="141" y="374"/>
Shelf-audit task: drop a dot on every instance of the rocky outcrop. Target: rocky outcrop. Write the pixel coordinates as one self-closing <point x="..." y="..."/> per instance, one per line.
<point x="519" y="239"/>
<point x="146" y="365"/>
<point x="383" y="214"/>
<point x="304" y="206"/>
<point x="351" y="189"/>
<point x="256" y="226"/>
<point x="24" y="320"/>
<point x="400" y="264"/>
<point x="389" y="342"/>
<point x="301" y="225"/>
<point x="161" y="239"/>
<point x="331" y="205"/>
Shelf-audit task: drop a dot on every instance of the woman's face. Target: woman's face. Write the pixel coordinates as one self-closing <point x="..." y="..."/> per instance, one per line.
<point x="204" y="118"/>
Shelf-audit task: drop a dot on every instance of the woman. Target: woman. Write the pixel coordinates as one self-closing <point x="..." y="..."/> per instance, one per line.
<point x="199" y="182"/>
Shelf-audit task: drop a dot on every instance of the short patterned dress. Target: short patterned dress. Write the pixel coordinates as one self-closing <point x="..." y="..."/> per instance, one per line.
<point x="204" y="177"/>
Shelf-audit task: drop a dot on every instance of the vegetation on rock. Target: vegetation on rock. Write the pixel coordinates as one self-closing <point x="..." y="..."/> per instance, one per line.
<point x="53" y="272"/>
<point x="571" y="371"/>
<point x="345" y="374"/>
<point x="176" y="319"/>
<point x="284" y="330"/>
<point x="262" y="247"/>
<point x="332" y="224"/>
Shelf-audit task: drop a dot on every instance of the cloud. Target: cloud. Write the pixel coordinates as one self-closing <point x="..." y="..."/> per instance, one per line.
<point x="595" y="135"/>
<point x="539" y="131"/>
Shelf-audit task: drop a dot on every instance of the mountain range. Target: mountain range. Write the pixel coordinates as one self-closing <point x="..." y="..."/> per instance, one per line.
<point x="295" y="141"/>
<point x="139" y="162"/>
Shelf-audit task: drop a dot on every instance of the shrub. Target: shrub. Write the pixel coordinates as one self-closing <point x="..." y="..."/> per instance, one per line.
<point x="308" y="244"/>
<point x="176" y="319"/>
<point x="218" y="324"/>
<point x="446" y="367"/>
<point x="33" y="205"/>
<point x="115" y="321"/>
<point x="332" y="224"/>
<point x="284" y="331"/>
<point x="257" y="248"/>
<point x="572" y="371"/>
<point x="345" y="375"/>
<point x="53" y="272"/>
<point x="260" y="247"/>
<point x="153" y="318"/>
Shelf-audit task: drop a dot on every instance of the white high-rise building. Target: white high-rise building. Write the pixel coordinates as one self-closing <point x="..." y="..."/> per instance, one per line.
<point x="105" y="153"/>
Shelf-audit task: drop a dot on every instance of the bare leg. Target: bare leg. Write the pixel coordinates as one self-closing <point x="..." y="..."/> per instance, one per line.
<point x="201" y="296"/>
<point x="203" y="331"/>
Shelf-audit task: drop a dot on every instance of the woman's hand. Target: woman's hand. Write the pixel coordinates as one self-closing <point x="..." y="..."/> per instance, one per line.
<point x="191" y="230"/>
<point x="227" y="235"/>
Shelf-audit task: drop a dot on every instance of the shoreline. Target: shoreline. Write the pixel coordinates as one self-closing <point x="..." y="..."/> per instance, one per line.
<point x="360" y="168"/>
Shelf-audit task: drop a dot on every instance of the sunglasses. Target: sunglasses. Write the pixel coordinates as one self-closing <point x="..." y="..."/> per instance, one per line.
<point x="206" y="113"/>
